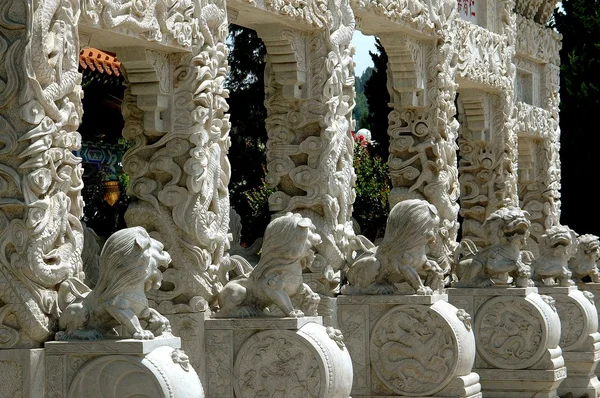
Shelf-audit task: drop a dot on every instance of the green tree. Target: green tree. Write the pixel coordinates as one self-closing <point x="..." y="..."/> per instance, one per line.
<point x="378" y="98"/>
<point x="579" y="23"/>
<point x="247" y="154"/>
<point x="361" y="109"/>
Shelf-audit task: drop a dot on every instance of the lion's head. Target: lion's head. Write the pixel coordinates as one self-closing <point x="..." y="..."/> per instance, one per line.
<point x="588" y="252"/>
<point x="130" y="259"/>
<point x="507" y="224"/>
<point x="558" y="239"/>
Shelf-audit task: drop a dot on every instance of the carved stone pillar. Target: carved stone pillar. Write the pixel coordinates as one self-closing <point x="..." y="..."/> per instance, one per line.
<point x="41" y="237"/>
<point x="422" y="127"/>
<point x="309" y="96"/>
<point x="175" y="116"/>
<point x="485" y="167"/>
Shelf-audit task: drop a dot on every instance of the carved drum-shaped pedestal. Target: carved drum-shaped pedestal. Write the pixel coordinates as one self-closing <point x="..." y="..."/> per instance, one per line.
<point x="517" y="333"/>
<point x="276" y="357"/>
<point x="120" y="368"/>
<point x="593" y="288"/>
<point x="408" y="346"/>
<point x="579" y="339"/>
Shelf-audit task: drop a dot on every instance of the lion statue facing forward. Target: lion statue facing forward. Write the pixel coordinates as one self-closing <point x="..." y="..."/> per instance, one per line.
<point x="507" y="230"/>
<point x="584" y="263"/>
<point x="130" y="264"/>
<point x="556" y="247"/>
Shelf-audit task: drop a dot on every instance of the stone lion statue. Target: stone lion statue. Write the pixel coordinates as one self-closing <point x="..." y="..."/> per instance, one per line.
<point x="402" y="254"/>
<point x="584" y="264"/>
<point x="556" y="247"/>
<point x="507" y="230"/>
<point x="130" y="264"/>
<point x="277" y="277"/>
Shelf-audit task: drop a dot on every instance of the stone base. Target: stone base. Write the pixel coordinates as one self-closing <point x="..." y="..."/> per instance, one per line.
<point x="423" y="339"/>
<point x="119" y="368"/>
<point x="593" y="288"/>
<point x="499" y="383"/>
<point x="579" y="341"/>
<point x="270" y="356"/>
<point x="22" y="373"/>
<point x="517" y="333"/>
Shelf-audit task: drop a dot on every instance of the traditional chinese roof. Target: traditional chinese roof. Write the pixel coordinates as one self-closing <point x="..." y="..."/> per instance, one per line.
<point x="99" y="65"/>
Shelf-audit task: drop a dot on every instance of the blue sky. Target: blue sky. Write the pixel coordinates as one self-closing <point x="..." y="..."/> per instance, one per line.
<point x="363" y="45"/>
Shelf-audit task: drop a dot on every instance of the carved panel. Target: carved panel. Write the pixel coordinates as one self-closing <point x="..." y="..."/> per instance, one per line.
<point x="309" y="152"/>
<point x="510" y="333"/>
<point x="398" y="357"/>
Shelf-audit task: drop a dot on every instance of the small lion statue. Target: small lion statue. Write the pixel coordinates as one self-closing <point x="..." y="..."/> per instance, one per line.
<point x="401" y="256"/>
<point x="277" y="277"/>
<point x="556" y="247"/>
<point x="584" y="264"/>
<point x="130" y="264"/>
<point x="507" y="230"/>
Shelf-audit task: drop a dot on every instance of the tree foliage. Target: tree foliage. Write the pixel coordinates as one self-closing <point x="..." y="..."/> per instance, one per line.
<point x="579" y="23"/>
<point x="247" y="154"/>
<point x="378" y="99"/>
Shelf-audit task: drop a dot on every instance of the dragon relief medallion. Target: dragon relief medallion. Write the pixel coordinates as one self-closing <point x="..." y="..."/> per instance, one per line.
<point x="511" y="333"/>
<point x="413" y="350"/>
<point x="572" y="321"/>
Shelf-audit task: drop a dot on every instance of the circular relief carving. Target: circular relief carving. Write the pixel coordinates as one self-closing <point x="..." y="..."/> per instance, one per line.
<point x="511" y="333"/>
<point x="278" y="363"/>
<point x="572" y="321"/>
<point x="413" y="350"/>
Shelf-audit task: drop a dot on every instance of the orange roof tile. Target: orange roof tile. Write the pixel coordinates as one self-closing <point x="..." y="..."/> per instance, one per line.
<point x="97" y="60"/>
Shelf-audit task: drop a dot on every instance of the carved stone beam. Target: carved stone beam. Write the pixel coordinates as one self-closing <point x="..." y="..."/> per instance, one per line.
<point x="144" y="69"/>
<point x="475" y="113"/>
<point x="286" y="52"/>
<point x="405" y="71"/>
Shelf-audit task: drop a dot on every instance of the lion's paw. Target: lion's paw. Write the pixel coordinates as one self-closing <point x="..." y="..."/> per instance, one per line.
<point x="296" y="314"/>
<point x="143" y="335"/>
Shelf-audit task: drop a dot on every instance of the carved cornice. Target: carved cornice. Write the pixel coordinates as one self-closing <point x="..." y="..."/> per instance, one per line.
<point x="536" y="42"/>
<point x="484" y="57"/>
<point x="412" y="15"/>
<point x="536" y="10"/>
<point x="171" y="24"/>
<point x="536" y="122"/>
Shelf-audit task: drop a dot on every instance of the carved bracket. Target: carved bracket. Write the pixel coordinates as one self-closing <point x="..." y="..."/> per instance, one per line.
<point x="286" y="52"/>
<point x="145" y="72"/>
<point x="405" y="69"/>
